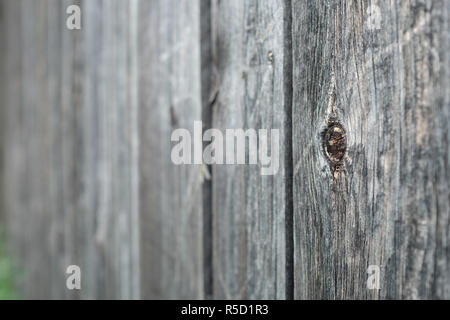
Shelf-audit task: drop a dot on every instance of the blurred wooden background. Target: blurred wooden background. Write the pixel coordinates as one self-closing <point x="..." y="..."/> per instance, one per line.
<point x="86" y="176"/>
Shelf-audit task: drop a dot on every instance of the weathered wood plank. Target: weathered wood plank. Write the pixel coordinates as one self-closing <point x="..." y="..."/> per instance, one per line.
<point x="12" y="130"/>
<point x="108" y="228"/>
<point x="249" y="219"/>
<point x="108" y="178"/>
<point x="35" y="133"/>
<point x="69" y="145"/>
<point x="28" y="144"/>
<point x="170" y="195"/>
<point x="387" y="202"/>
<point x="71" y="134"/>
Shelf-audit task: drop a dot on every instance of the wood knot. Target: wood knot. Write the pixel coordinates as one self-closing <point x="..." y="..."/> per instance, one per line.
<point x="270" y="56"/>
<point x="334" y="144"/>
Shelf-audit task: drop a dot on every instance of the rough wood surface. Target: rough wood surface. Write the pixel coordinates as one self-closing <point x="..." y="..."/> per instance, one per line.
<point x="249" y="225"/>
<point x="387" y="203"/>
<point x="363" y="112"/>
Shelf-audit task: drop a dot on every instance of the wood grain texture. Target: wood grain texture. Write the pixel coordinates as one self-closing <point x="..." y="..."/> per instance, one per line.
<point x="170" y="195"/>
<point x="86" y="118"/>
<point x="249" y="210"/>
<point x="388" y="205"/>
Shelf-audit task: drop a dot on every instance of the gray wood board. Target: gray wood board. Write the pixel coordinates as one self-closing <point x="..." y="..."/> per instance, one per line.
<point x="385" y="202"/>
<point x="249" y="209"/>
<point x="170" y="195"/>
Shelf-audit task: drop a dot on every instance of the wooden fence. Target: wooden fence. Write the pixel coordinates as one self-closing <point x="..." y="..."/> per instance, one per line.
<point x="359" y="91"/>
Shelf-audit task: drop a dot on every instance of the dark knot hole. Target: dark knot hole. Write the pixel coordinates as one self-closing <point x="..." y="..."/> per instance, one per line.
<point x="334" y="143"/>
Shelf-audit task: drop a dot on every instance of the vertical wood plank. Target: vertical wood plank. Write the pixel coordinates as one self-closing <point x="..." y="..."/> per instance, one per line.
<point x="109" y="153"/>
<point x="249" y="219"/>
<point x="12" y="131"/>
<point x="56" y="243"/>
<point x="387" y="202"/>
<point x="91" y="117"/>
<point x="70" y="145"/>
<point x="170" y="195"/>
<point x="71" y="134"/>
<point x="34" y="188"/>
